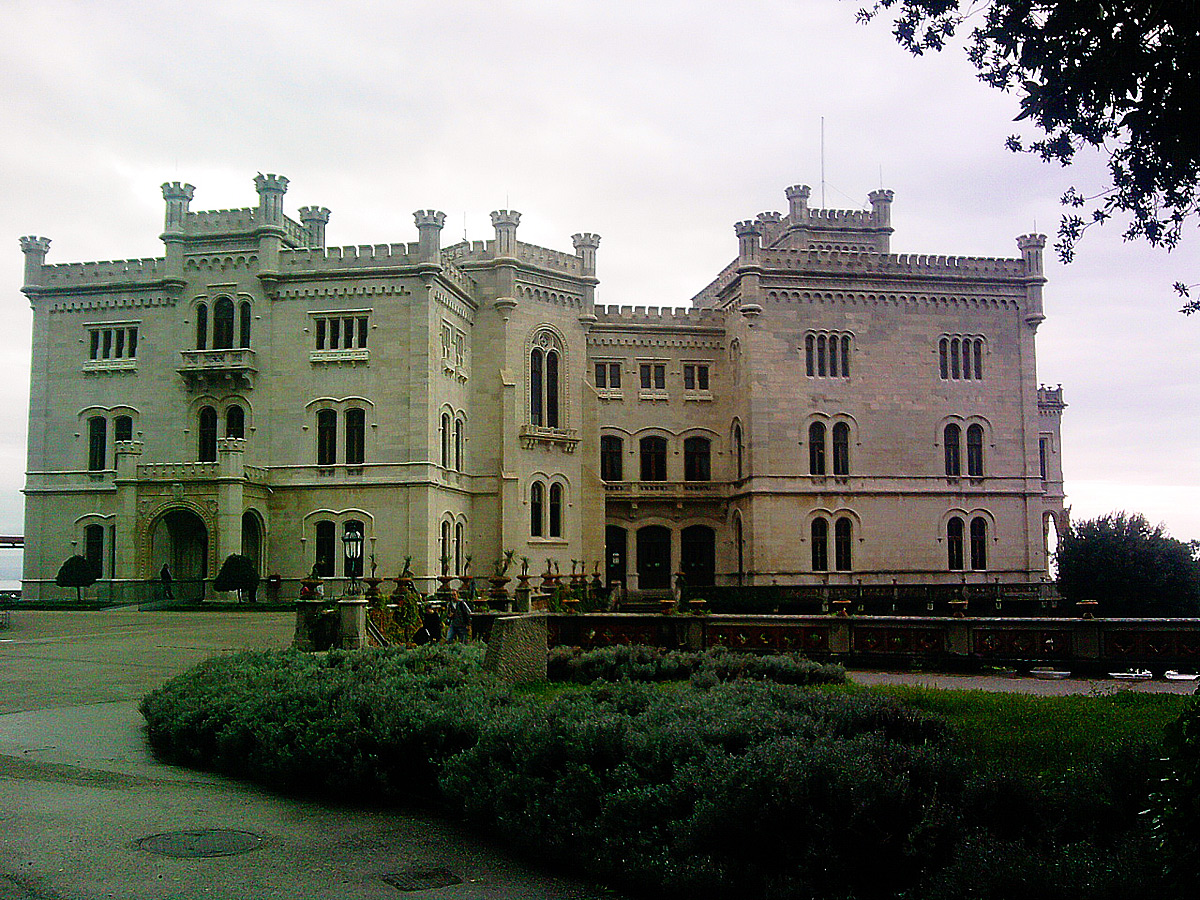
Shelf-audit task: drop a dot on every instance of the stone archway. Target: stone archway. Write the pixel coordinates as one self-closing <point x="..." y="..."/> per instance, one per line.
<point x="179" y="539"/>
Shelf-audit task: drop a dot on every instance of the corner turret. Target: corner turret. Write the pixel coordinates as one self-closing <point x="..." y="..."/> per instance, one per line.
<point x="429" y="231"/>
<point x="314" y="219"/>
<point x="1031" y="247"/>
<point x="177" y="196"/>
<point x="797" y="196"/>
<point x="271" y="189"/>
<point x="35" y="250"/>
<point x="505" y="221"/>
<point x="586" y="245"/>
<point x="748" y="233"/>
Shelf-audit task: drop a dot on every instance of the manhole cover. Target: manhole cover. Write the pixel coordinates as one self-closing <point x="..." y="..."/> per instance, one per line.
<point x="206" y="842"/>
<point x="422" y="879"/>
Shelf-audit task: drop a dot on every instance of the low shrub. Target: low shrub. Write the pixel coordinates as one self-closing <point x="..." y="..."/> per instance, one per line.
<point x="1175" y="803"/>
<point x="640" y="663"/>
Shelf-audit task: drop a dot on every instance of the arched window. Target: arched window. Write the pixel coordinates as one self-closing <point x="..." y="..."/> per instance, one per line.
<point x="816" y="449"/>
<point x="244" y="330"/>
<point x="978" y="543"/>
<point x="967" y="358"/>
<point x="97" y="443"/>
<point x="353" y="568"/>
<point x="356" y="435"/>
<point x="556" y="510"/>
<point x="326" y="437"/>
<point x="845" y="356"/>
<point x="654" y="458"/>
<point x="201" y="326"/>
<point x="223" y="324"/>
<point x="326" y="537"/>
<point x="445" y="438"/>
<point x="235" y="422"/>
<point x="975" y="451"/>
<point x="459" y="425"/>
<point x="841" y="449"/>
<point x="552" y="388"/>
<point x="536" y="502"/>
<point x="458" y="548"/>
<point x="740" y="539"/>
<point x="821" y="355"/>
<point x="612" y="451"/>
<point x="951" y="439"/>
<point x="954" y="358"/>
<point x="537" y="367"/>
<point x="954" y="544"/>
<point x="545" y="363"/>
<point x="123" y="428"/>
<point x="810" y="355"/>
<point x="843" y="534"/>
<point x="208" y="435"/>
<point x="738" y="448"/>
<point x="978" y="359"/>
<point x="944" y="358"/>
<point x="819" y="532"/>
<point x="444" y="556"/>
<point x="696" y="455"/>
<point x="93" y="546"/>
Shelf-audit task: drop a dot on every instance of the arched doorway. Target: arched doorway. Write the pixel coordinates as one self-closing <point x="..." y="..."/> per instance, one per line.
<point x="252" y="542"/>
<point x="654" y="558"/>
<point x="698" y="555"/>
<point x="179" y="539"/>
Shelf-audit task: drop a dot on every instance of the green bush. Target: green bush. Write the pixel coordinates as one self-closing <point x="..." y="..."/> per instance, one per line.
<point x="640" y="663"/>
<point x="704" y="789"/>
<point x="1175" y="805"/>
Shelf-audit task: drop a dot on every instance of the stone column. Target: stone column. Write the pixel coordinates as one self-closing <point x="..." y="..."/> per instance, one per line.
<point x="231" y="480"/>
<point x="127" y="454"/>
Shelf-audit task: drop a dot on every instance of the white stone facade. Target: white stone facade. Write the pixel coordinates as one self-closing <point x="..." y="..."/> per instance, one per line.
<point x="825" y="412"/>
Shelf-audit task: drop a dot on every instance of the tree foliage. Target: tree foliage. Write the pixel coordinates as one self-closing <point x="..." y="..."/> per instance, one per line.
<point x="1129" y="566"/>
<point x="237" y="574"/>
<point x="77" y="572"/>
<point x="1120" y="77"/>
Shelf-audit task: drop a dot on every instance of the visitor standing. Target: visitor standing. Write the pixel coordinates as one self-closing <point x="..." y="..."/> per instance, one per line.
<point x="460" y="619"/>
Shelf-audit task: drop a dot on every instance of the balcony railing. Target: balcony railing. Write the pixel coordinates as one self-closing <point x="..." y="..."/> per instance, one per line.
<point x="565" y="438"/>
<point x="666" y="490"/>
<point x="234" y="367"/>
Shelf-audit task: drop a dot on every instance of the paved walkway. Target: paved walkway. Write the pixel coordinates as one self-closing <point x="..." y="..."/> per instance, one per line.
<point x="79" y="790"/>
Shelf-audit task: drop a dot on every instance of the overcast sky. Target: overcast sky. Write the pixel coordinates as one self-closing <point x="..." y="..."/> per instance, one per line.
<point x="656" y="127"/>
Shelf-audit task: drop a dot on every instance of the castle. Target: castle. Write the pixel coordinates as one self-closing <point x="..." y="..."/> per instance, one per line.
<point x="824" y="412"/>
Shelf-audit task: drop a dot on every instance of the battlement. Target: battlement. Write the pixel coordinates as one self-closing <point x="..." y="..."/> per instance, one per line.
<point x="362" y="256"/>
<point x="214" y="221"/>
<point x="837" y="218"/>
<point x="835" y="261"/>
<point x="91" y="273"/>
<point x="483" y="251"/>
<point x="661" y="315"/>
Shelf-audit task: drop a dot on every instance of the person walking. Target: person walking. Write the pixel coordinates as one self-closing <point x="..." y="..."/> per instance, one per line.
<point x="460" y="619"/>
<point x="164" y="576"/>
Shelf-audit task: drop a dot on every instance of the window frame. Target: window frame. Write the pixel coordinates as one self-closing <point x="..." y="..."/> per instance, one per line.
<point x="653" y="451"/>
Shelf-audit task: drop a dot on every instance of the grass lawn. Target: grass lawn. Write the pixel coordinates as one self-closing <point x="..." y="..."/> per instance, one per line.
<point x="1044" y="736"/>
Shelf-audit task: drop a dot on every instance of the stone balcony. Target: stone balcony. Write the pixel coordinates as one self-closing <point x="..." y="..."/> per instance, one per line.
<point x="672" y="491"/>
<point x="532" y="436"/>
<point x="234" y="368"/>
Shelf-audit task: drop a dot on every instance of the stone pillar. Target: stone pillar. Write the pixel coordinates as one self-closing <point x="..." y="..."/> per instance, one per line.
<point x="314" y="219"/>
<point x="231" y="480"/>
<point x="352" y="623"/>
<point x="429" y="228"/>
<point x="505" y="221"/>
<point x="35" y="250"/>
<point x="126" y="454"/>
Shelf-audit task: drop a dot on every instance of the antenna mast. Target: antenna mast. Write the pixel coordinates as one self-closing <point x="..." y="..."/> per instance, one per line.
<point x="822" y="162"/>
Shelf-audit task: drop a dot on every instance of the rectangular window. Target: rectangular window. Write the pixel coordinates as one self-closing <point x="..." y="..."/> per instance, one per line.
<point x="1043" y="451"/>
<point x="608" y="376"/>
<point x="111" y="346"/>
<point x="339" y="337"/>
<point x="460" y="348"/>
<point x="447" y="340"/>
<point x="653" y="380"/>
<point x="695" y="377"/>
<point x="601" y="375"/>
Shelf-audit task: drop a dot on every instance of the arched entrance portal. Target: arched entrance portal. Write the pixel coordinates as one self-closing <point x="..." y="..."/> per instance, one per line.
<point x="180" y="540"/>
<point x="252" y="542"/>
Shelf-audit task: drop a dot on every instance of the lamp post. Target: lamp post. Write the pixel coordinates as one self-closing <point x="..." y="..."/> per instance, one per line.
<point x="352" y="542"/>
